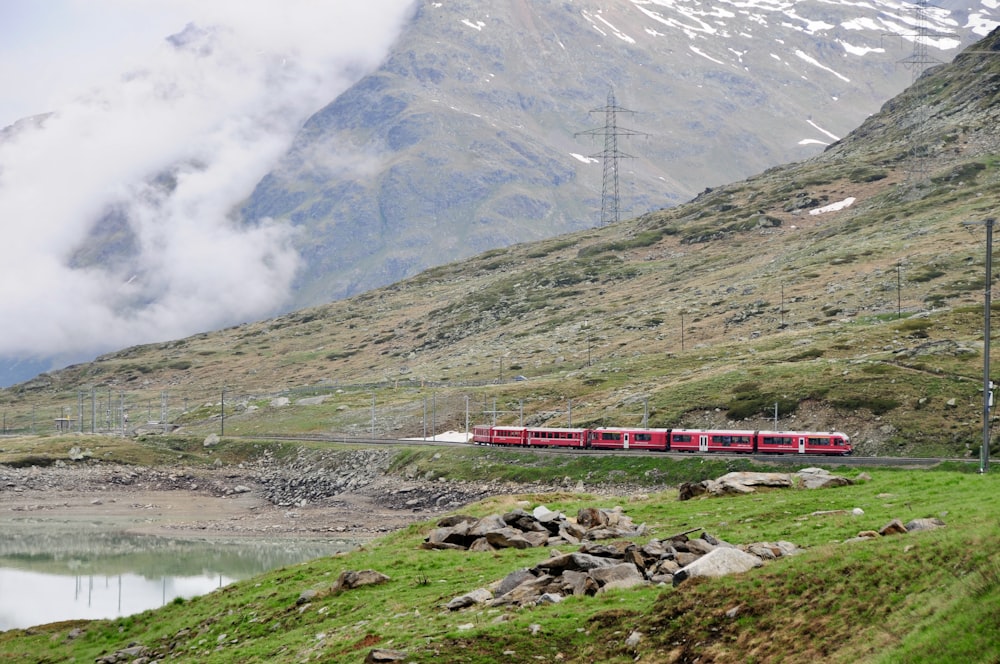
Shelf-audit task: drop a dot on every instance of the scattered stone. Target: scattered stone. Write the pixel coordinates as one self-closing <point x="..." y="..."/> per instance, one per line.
<point x="124" y="655"/>
<point x="350" y="579"/>
<point x="894" y="527"/>
<point x="211" y="440"/>
<point x="382" y="655"/>
<point x="923" y="524"/>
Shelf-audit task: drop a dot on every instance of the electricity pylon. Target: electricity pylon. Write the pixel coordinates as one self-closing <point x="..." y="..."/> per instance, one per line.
<point x="610" y="156"/>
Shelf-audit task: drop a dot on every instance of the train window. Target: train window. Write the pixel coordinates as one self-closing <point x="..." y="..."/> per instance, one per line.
<point x="607" y="435"/>
<point x="819" y="441"/>
<point x="682" y="438"/>
<point x="643" y="437"/>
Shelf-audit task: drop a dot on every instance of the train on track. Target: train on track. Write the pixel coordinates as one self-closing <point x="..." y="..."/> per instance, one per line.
<point x="727" y="441"/>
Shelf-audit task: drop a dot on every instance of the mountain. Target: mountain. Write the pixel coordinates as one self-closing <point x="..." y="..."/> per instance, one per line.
<point x="482" y="128"/>
<point x="843" y="291"/>
<point x="468" y="137"/>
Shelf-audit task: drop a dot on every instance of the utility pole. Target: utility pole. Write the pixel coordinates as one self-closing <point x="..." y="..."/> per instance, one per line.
<point x="610" y="156"/>
<point x="984" y="452"/>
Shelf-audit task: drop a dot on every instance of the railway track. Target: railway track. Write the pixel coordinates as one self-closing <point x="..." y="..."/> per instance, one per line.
<point x="798" y="459"/>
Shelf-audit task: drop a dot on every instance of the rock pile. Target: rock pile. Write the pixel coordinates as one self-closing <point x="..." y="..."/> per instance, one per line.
<point x="597" y="568"/>
<point x="524" y="530"/>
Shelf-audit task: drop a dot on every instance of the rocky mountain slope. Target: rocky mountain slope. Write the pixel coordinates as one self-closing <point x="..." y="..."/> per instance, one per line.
<point x="840" y="292"/>
<point x="468" y="137"/>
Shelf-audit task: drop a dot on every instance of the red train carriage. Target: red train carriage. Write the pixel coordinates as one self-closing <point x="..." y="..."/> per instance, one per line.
<point x="508" y="436"/>
<point x="699" y="440"/>
<point x="628" y="439"/>
<point x="730" y="441"/>
<point x="543" y="437"/>
<point x="481" y="434"/>
<point x="831" y="442"/>
<point x="803" y="442"/>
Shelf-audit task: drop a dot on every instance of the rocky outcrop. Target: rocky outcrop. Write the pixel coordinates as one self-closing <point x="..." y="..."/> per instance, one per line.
<point x="747" y="482"/>
<point x="519" y="529"/>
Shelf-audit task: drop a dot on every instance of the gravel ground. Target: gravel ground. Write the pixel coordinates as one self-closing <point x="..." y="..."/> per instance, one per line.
<point x="317" y="495"/>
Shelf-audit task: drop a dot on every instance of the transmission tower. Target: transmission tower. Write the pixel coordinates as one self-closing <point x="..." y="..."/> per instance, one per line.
<point x="610" y="156"/>
<point x="917" y="62"/>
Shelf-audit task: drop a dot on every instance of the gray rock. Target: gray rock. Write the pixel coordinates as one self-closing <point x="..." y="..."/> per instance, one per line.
<point x="581" y="562"/>
<point x="513" y="580"/>
<point x="478" y="596"/>
<point x="720" y="562"/>
<point x="924" y="524"/>
<point x="350" y="579"/>
<point x="382" y="656"/>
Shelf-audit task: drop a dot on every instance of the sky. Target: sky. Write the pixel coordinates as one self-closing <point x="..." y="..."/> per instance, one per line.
<point x="209" y="94"/>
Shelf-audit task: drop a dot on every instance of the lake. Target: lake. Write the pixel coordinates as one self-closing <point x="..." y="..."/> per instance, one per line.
<point x="53" y="574"/>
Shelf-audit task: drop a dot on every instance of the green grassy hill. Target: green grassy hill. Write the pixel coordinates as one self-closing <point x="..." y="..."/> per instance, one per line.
<point x="928" y="596"/>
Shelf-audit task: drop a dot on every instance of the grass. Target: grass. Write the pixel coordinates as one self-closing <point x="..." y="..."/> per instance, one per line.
<point x="920" y="597"/>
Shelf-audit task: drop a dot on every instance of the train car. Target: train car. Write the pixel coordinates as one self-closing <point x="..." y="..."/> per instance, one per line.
<point x="619" y="438"/>
<point x="508" y="436"/>
<point x="828" y="442"/>
<point x="803" y="442"/>
<point x="482" y="434"/>
<point x="729" y="441"/>
<point x="545" y="437"/>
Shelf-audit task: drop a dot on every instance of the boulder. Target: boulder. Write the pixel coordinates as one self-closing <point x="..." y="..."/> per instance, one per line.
<point x="894" y="527"/>
<point x="719" y="562"/>
<point x="924" y="524"/>
<point x="478" y="596"/>
<point x="581" y="562"/>
<point x="820" y="478"/>
<point x="591" y="517"/>
<point x="350" y="579"/>
<point x="383" y="656"/>
<point x="513" y="580"/>
<point x="508" y="538"/>
<point x="625" y="575"/>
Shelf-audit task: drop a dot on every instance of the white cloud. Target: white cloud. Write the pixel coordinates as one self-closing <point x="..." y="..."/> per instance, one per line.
<point x="170" y="134"/>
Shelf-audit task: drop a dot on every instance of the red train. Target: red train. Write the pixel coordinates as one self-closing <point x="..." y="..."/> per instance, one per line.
<point x="730" y="441"/>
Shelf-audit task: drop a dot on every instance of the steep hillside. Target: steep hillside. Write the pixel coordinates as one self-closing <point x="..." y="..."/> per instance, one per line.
<point x="845" y="291"/>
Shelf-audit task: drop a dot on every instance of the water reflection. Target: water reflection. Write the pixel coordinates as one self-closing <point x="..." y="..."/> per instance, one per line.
<point x="61" y="575"/>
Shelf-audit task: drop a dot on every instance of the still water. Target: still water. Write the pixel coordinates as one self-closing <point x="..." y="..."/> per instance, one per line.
<point x="55" y="575"/>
